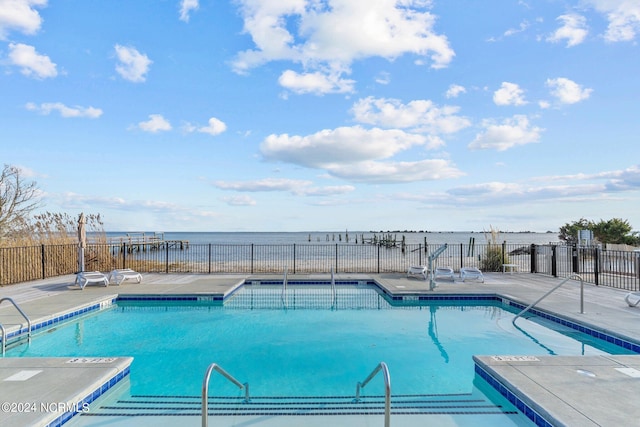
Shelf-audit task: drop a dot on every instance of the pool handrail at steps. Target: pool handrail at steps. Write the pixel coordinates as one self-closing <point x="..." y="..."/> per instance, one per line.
<point x="4" y="332"/>
<point x="205" y="390"/>
<point x="387" y="390"/>
<point x="573" y="276"/>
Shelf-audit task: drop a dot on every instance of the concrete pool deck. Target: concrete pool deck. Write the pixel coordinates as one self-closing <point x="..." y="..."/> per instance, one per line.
<point x="570" y="390"/>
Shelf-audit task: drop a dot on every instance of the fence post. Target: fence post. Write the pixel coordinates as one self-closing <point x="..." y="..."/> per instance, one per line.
<point x="575" y="259"/>
<point x="336" y="257"/>
<point x="596" y="265"/>
<point x="378" y="259"/>
<point x="252" y="258"/>
<point x="209" y="255"/>
<point x="554" y="261"/>
<point x="533" y="259"/>
<point x="420" y="254"/>
<point x="504" y="251"/>
<point x="461" y="257"/>
<point x="166" y="252"/>
<point x="294" y="258"/>
<point x="42" y="256"/>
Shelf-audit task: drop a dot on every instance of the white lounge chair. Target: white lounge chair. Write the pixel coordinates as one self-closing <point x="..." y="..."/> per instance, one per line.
<point x="471" y="273"/>
<point x="120" y="275"/>
<point x="633" y="299"/>
<point x="444" y="272"/>
<point x="86" y="277"/>
<point x="418" y="270"/>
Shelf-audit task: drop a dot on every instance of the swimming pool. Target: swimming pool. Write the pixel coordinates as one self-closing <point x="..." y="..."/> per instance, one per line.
<point x="310" y="343"/>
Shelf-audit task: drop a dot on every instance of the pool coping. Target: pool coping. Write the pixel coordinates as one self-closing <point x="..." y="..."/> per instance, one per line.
<point x="486" y="371"/>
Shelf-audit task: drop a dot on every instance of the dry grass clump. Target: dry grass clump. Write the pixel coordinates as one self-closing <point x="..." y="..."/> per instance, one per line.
<point x="55" y="229"/>
<point x="493" y="257"/>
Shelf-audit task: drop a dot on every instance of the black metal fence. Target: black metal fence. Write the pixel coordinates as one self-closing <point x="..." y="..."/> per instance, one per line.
<point x="619" y="269"/>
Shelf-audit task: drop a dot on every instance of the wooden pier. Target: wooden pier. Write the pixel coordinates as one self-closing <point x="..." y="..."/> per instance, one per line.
<point x="145" y="242"/>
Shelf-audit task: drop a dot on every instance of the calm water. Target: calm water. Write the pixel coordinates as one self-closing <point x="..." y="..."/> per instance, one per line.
<point x="312" y="346"/>
<point x="333" y="237"/>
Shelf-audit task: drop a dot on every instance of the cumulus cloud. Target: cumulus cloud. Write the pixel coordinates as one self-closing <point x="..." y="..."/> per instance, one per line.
<point x="508" y="134"/>
<point x="419" y="115"/>
<point x="322" y="37"/>
<point x="186" y="7"/>
<point x="568" y="91"/>
<point x="623" y="17"/>
<point x="573" y="30"/>
<point x="65" y="111"/>
<point x="455" y="90"/>
<point x="156" y="123"/>
<point x="317" y="82"/>
<point x="31" y="63"/>
<point x="20" y="15"/>
<point x="509" y="94"/>
<point x="340" y="145"/>
<point x="215" y="127"/>
<point x="358" y="154"/>
<point x="133" y="65"/>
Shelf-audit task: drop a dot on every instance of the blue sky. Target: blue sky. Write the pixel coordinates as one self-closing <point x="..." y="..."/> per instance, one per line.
<point x="301" y="115"/>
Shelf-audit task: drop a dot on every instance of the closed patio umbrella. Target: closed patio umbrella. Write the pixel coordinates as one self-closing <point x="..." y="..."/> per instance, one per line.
<point x="82" y="240"/>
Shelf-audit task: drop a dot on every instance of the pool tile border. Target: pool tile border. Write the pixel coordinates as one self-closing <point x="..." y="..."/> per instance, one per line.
<point x="90" y="397"/>
<point x="395" y="298"/>
<point x="520" y="404"/>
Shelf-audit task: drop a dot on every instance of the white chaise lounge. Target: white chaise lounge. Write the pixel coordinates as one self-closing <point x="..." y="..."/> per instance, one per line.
<point x="445" y="273"/>
<point x="418" y="270"/>
<point x="120" y="275"/>
<point x="86" y="277"/>
<point x="633" y="299"/>
<point x="471" y="273"/>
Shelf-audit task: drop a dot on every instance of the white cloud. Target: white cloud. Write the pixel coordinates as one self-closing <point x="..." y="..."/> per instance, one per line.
<point x="293" y="186"/>
<point x="65" y="111"/>
<point x="335" y="146"/>
<point x="186" y="6"/>
<point x="355" y="153"/>
<point x="317" y="82"/>
<point x="623" y="17"/>
<point x="20" y="15"/>
<point x="331" y="37"/>
<point x="419" y="115"/>
<point x="215" y="127"/>
<point x="568" y="91"/>
<point x="133" y="65"/>
<point x="156" y="123"/>
<point x="31" y="62"/>
<point x="239" y="200"/>
<point x="455" y="90"/>
<point x="512" y="132"/>
<point x="522" y="27"/>
<point x="396" y="172"/>
<point x="573" y="30"/>
<point x="509" y="94"/>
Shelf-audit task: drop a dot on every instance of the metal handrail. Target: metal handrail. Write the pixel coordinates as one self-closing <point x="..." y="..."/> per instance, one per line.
<point x="4" y="332"/>
<point x="387" y="390"/>
<point x="432" y="257"/>
<point x="573" y="276"/>
<point x="205" y="390"/>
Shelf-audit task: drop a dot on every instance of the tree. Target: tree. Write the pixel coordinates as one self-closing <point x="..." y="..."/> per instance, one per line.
<point x="18" y="198"/>
<point x="569" y="231"/>
<point x="615" y="230"/>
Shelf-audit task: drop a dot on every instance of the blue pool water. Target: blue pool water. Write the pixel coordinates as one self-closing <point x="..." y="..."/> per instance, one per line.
<point x="307" y="344"/>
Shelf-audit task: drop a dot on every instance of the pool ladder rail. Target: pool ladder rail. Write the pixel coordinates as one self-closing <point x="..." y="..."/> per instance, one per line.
<point x="3" y="330"/>
<point x="382" y="367"/>
<point x="573" y="276"/>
